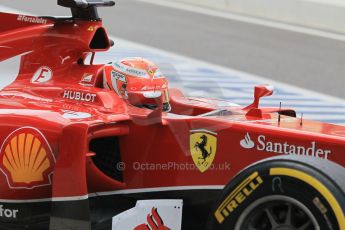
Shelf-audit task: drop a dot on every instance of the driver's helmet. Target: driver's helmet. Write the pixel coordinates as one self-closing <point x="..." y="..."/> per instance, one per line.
<point x="139" y="81"/>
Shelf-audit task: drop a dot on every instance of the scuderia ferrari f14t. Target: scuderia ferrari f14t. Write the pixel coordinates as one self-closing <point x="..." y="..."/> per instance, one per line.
<point x="87" y="146"/>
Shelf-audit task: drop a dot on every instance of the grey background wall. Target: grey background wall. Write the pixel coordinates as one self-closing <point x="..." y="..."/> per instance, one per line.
<point x="327" y="15"/>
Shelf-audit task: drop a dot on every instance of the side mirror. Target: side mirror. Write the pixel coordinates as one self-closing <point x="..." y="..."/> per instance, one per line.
<point x="259" y="92"/>
<point x="150" y="97"/>
<point x="156" y="115"/>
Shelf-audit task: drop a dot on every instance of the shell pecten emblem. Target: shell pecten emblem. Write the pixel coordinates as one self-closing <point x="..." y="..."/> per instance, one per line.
<point x="26" y="159"/>
<point x="203" y="148"/>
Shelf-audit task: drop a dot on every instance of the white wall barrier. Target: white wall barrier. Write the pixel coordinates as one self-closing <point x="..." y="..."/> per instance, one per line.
<point x="326" y="15"/>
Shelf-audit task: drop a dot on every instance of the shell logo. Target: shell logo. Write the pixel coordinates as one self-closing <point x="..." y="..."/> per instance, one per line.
<point x="26" y="159"/>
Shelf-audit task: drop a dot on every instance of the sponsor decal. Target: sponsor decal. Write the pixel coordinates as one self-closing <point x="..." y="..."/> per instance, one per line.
<point x="26" y="159"/>
<point x="238" y="196"/>
<point x="317" y="202"/>
<point x="154" y="87"/>
<point x="63" y="59"/>
<point x="79" y="96"/>
<point x="277" y="185"/>
<point x="43" y="74"/>
<point x="158" y="74"/>
<point x="151" y="72"/>
<point x="136" y="72"/>
<point x="119" y="82"/>
<point x="130" y="70"/>
<point x="76" y="108"/>
<point x="203" y="148"/>
<point x="23" y="18"/>
<point x="154" y="222"/>
<point x="118" y="76"/>
<point x="324" y="211"/>
<point x="262" y="144"/>
<point x="8" y="213"/>
<point x="68" y="114"/>
<point x="87" y="80"/>
<point x="247" y="143"/>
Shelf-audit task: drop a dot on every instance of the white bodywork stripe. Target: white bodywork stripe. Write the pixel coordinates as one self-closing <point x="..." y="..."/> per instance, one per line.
<point x="72" y="198"/>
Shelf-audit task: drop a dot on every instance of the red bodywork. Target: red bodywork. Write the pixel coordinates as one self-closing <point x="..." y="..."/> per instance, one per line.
<point x="53" y="102"/>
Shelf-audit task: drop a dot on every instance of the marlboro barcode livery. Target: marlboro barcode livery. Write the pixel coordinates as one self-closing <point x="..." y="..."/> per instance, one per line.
<point x="112" y="146"/>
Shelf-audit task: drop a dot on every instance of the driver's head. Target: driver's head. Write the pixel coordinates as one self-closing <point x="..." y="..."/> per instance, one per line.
<point x="139" y="81"/>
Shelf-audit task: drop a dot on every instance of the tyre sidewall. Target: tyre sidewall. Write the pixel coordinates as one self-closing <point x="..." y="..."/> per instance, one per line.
<point x="257" y="182"/>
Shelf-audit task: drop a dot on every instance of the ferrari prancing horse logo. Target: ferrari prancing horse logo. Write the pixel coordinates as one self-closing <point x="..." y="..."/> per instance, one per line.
<point x="203" y="147"/>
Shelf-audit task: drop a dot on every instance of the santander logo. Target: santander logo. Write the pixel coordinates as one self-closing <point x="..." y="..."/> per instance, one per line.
<point x="264" y="144"/>
<point x="155" y="222"/>
<point x="247" y="143"/>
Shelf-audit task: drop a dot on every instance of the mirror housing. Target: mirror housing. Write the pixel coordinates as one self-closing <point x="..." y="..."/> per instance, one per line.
<point x="259" y="92"/>
<point x="156" y="115"/>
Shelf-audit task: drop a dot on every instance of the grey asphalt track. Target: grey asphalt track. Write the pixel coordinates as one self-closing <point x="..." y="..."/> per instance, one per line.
<point x="307" y="61"/>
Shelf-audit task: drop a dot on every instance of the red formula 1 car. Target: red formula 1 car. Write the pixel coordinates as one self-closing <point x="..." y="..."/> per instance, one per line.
<point x="87" y="146"/>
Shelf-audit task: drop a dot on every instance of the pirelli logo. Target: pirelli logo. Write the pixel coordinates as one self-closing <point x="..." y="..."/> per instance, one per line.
<point x="238" y="196"/>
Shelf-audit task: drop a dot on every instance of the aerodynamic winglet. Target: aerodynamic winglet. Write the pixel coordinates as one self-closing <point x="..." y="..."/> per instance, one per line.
<point x="85" y="9"/>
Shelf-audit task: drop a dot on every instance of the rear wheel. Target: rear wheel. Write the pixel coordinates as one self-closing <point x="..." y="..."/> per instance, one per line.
<point x="283" y="193"/>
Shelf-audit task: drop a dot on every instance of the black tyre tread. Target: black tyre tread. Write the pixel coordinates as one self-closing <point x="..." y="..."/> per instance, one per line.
<point x="331" y="170"/>
<point x="330" y="174"/>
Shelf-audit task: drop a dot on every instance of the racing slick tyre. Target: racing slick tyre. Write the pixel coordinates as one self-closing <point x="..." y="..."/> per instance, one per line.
<point x="283" y="193"/>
